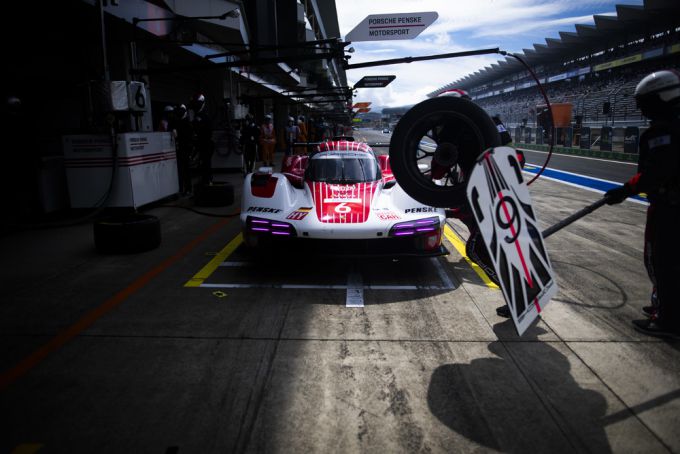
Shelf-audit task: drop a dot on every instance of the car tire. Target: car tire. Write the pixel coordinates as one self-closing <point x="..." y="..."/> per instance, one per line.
<point x="127" y="234"/>
<point x="218" y="194"/>
<point x="458" y="118"/>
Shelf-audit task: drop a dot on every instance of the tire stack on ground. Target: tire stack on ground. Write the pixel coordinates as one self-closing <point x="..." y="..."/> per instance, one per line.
<point x="216" y="194"/>
<point x="127" y="234"/>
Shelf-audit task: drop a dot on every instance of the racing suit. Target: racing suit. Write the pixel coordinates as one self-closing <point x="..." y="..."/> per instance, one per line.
<point x="203" y="129"/>
<point x="249" y="138"/>
<point x="659" y="177"/>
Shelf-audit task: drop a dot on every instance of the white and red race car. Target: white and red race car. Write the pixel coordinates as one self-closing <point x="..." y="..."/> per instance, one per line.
<point x="343" y="193"/>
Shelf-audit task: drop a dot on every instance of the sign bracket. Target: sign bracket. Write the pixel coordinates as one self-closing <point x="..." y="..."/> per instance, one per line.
<point x="395" y="61"/>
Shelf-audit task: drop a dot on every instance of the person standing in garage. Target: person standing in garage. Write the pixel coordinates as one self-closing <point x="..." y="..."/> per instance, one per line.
<point x="303" y="136"/>
<point x="250" y="136"/>
<point x="184" y="138"/>
<point x="267" y="141"/>
<point x="20" y="163"/>
<point x="202" y="124"/>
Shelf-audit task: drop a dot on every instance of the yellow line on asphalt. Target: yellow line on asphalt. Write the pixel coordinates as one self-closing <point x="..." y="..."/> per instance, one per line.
<point x="221" y="256"/>
<point x="460" y="247"/>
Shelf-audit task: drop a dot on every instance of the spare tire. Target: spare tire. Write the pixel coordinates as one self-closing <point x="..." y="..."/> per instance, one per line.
<point x="127" y="234"/>
<point x="445" y="135"/>
<point x="216" y="194"/>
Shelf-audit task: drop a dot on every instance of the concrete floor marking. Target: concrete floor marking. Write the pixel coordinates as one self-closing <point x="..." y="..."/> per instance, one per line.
<point x="210" y="268"/>
<point x="355" y="290"/>
<point x="442" y="274"/>
<point x="327" y="287"/>
<point x="460" y="247"/>
<point x="236" y="264"/>
<point x="10" y="376"/>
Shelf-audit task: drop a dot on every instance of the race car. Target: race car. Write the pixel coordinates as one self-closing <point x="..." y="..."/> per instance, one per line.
<point x="340" y="197"/>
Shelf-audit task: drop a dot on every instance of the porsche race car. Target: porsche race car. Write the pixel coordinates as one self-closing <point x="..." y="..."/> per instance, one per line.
<point x="341" y="197"/>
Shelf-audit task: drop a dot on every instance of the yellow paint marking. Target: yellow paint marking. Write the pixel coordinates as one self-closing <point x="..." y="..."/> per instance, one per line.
<point x="27" y="448"/>
<point x="212" y="265"/>
<point x="460" y="247"/>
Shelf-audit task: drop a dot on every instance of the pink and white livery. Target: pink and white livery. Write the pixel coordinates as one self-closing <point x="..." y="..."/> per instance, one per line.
<point x="342" y="192"/>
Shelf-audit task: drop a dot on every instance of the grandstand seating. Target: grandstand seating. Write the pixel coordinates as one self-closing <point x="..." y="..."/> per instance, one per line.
<point x="587" y="97"/>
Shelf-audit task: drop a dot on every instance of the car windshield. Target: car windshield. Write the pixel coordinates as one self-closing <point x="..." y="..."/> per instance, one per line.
<point x="339" y="169"/>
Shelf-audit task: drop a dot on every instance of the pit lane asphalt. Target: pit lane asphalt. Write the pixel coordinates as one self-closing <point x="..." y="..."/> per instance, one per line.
<point x="170" y="368"/>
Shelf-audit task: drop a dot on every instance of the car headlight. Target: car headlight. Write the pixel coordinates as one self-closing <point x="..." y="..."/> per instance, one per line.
<point x="269" y="226"/>
<point x="415" y="227"/>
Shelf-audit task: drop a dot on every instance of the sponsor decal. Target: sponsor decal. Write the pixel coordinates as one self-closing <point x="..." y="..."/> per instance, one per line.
<point x="338" y="203"/>
<point x="387" y="216"/>
<point x="297" y="215"/>
<point x="263" y="210"/>
<point x="420" y="210"/>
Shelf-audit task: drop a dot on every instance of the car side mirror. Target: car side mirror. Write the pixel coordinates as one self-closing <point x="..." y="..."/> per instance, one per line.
<point x="389" y="184"/>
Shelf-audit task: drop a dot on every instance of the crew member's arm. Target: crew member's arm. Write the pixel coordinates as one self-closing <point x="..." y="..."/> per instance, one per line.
<point x="660" y="166"/>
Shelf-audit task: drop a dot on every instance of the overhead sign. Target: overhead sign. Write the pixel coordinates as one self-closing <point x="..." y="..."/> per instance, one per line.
<point x="364" y="110"/>
<point x="501" y="205"/>
<point x="380" y="27"/>
<point x="374" y="81"/>
<point x="361" y="105"/>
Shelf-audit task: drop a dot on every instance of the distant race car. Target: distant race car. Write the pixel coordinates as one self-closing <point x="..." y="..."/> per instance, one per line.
<point x="341" y="198"/>
<point x="386" y="131"/>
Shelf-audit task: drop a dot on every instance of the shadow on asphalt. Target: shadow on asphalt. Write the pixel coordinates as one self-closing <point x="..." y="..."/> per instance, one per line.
<point x="522" y="400"/>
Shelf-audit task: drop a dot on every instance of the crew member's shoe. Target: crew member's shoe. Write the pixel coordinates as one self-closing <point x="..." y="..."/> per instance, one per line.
<point x="652" y="327"/>
<point x="649" y="311"/>
<point x="503" y="311"/>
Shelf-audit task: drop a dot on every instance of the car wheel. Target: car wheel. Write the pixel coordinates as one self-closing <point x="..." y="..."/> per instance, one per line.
<point x="218" y="194"/>
<point x="127" y="234"/>
<point x="435" y="145"/>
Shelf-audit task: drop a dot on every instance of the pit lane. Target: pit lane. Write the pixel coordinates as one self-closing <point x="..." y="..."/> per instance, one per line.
<point x="176" y="368"/>
<point x="237" y="267"/>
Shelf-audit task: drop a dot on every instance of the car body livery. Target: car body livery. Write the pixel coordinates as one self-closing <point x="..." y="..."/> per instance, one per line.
<point x="341" y="192"/>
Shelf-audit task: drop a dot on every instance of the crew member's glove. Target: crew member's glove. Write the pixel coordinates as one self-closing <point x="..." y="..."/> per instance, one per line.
<point x="618" y="195"/>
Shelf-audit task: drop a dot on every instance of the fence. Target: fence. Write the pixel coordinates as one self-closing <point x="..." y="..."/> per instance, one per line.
<point x="603" y="141"/>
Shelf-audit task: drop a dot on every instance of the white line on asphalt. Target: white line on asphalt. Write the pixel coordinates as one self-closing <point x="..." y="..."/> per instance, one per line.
<point x="355" y="290"/>
<point x="236" y="264"/>
<point x="327" y="287"/>
<point x="585" y="188"/>
<point x="442" y="274"/>
<point x="580" y="157"/>
<point x="576" y="174"/>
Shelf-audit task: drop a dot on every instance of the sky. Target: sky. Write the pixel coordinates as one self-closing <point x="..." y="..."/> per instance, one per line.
<point x="511" y="25"/>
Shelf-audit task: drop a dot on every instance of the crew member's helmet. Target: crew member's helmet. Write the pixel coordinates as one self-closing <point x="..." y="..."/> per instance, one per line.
<point x="657" y="93"/>
<point x="198" y="102"/>
<point x="456" y="93"/>
<point x="168" y="109"/>
<point x="291" y="119"/>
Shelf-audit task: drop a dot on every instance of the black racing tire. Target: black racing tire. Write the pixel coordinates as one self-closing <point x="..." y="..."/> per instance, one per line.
<point x="127" y="234"/>
<point x="217" y="194"/>
<point x="456" y="121"/>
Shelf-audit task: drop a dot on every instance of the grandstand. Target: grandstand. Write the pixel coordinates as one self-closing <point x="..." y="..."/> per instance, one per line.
<point x="595" y="68"/>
